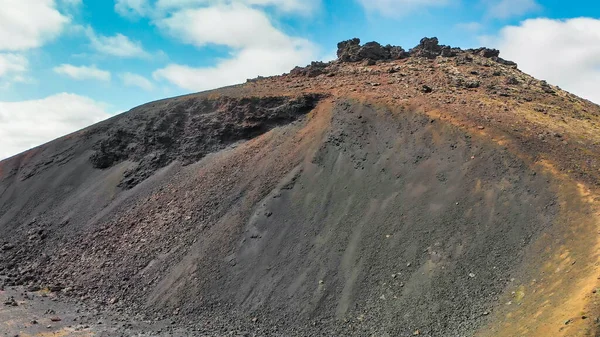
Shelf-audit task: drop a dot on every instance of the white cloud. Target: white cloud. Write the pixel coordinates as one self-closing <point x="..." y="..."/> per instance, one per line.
<point x="26" y="124"/>
<point x="71" y="3"/>
<point x="248" y="63"/>
<point x="117" y="45"/>
<point x="26" y="24"/>
<point x="286" y="5"/>
<point x="504" y="9"/>
<point x="135" y="80"/>
<point x="565" y="53"/>
<point x="132" y="8"/>
<point x="12" y="64"/>
<point x="160" y="8"/>
<point x="82" y="72"/>
<point x="399" y="7"/>
<point x="258" y="47"/>
<point x="298" y="7"/>
<point x="234" y="26"/>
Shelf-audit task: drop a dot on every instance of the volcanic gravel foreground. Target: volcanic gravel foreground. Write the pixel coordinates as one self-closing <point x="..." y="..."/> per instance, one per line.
<point x="430" y="192"/>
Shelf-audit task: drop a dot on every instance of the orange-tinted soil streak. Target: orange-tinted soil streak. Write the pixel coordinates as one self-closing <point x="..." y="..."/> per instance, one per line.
<point x="556" y="296"/>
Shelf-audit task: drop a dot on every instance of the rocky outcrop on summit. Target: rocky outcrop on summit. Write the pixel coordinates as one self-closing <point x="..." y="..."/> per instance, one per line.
<point x="352" y="51"/>
<point x="431" y="48"/>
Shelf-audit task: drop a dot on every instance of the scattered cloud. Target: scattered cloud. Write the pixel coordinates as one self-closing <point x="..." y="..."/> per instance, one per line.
<point x="51" y="117"/>
<point x="235" y="26"/>
<point x="504" y="9"/>
<point x="71" y="3"/>
<point x="469" y="26"/>
<point x="12" y="64"/>
<point x="563" y="52"/>
<point x="160" y="8"/>
<point x="297" y="7"/>
<point x="26" y="24"/>
<point x="399" y="7"/>
<point x="118" y="45"/>
<point x="135" y="80"/>
<point x="258" y="48"/>
<point x="82" y="72"/>
<point x="247" y="63"/>
<point x="132" y="8"/>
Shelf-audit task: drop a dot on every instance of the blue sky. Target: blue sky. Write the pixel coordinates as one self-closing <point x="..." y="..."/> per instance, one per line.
<point x="65" y="64"/>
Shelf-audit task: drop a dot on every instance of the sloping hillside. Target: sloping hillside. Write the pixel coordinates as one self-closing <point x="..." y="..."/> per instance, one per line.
<point x="435" y="192"/>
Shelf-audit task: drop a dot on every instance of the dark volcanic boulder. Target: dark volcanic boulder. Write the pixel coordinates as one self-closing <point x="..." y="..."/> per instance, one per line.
<point x="397" y="52"/>
<point x="428" y="47"/>
<point x="493" y="54"/>
<point x="431" y="48"/>
<point x="448" y="51"/>
<point x="352" y="51"/>
<point x="314" y="69"/>
<point x="373" y="51"/>
<point x="486" y="52"/>
<point x="348" y="50"/>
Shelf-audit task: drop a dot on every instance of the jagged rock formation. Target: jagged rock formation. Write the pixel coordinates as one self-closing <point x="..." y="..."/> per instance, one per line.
<point x="435" y="191"/>
<point x="352" y="51"/>
<point x="189" y="130"/>
<point x="372" y="52"/>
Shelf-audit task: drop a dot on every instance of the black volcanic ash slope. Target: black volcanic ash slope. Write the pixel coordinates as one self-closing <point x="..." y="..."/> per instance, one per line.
<point x="389" y="225"/>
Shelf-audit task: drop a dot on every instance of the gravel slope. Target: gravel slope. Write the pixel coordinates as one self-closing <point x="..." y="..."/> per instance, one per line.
<point x="351" y="204"/>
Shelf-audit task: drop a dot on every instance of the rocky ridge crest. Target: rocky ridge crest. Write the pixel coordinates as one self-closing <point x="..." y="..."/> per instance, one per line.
<point x="351" y="51"/>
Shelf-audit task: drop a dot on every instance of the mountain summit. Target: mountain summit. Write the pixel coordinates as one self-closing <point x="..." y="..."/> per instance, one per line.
<point x="434" y="192"/>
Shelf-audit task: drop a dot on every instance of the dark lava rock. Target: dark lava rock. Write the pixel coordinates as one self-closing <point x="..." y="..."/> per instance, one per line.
<point x="373" y="51"/>
<point x="55" y="288"/>
<point x="7" y="246"/>
<point x="428" y="47"/>
<point x="11" y="302"/>
<point x="493" y="54"/>
<point x="191" y="129"/>
<point x="486" y="52"/>
<point x="352" y="51"/>
<point x="505" y="62"/>
<point x="431" y="48"/>
<point x="312" y="70"/>
<point x="546" y="87"/>
<point x="397" y="52"/>
<point x="512" y="81"/>
<point x="472" y="84"/>
<point x="348" y="50"/>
